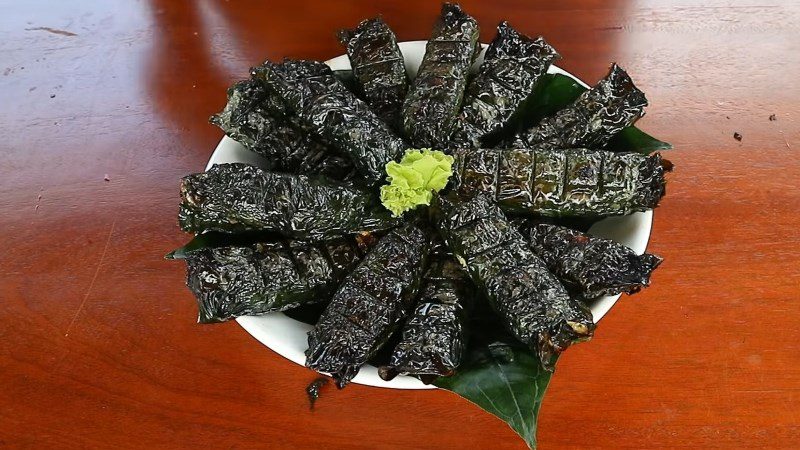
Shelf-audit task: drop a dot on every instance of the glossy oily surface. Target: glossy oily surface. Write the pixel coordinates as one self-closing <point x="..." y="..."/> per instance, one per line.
<point x="562" y="183"/>
<point x="433" y="339"/>
<point x="238" y="197"/>
<point x="323" y="104"/>
<point x="433" y="100"/>
<point x="257" y="119"/>
<point x="264" y="276"/>
<point x="589" y="265"/>
<point x="369" y="305"/>
<point x="288" y="337"/>
<point x="597" y="115"/>
<point x="378" y="68"/>
<point x="532" y="304"/>
<point x="512" y="66"/>
<point x="99" y="342"/>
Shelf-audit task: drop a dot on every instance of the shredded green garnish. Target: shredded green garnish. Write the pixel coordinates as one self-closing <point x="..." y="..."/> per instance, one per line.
<point x="414" y="179"/>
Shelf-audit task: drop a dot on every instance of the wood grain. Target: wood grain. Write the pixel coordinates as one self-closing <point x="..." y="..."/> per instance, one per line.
<point x="98" y="345"/>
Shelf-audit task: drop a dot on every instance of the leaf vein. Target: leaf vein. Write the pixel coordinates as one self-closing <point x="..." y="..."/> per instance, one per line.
<point x="514" y="397"/>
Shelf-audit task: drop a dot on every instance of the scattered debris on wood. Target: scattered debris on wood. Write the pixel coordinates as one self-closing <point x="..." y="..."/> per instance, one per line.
<point x="313" y="389"/>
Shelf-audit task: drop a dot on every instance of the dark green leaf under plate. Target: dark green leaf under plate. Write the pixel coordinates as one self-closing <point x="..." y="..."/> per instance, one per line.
<point x="632" y="139"/>
<point x="500" y="375"/>
<point x="214" y="239"/>
<point x="554" y="92"/>
<point x="505" y="380"/>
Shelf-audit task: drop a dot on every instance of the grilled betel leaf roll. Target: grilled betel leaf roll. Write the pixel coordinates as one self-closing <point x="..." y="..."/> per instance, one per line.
<point x="369" y="305"/>
<point x="593" y="119"/>
<point x="266" y="276"/>
<point x="512" y="66"/>
<point x="239" y="197"/>
<point x="436" y="94"/>
<point x="378" y="67"/>
<point x="562" y="183"/>
<point x="434" y="335"/>
<point x="588" y="264"/>
<point x="534" y="306"/>
<point x="312" y="92"/>
<point x="257" y="119"/>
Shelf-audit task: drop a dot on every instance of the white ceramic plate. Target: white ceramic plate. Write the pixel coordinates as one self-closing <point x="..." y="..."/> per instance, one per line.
<point x="287" y="337"/>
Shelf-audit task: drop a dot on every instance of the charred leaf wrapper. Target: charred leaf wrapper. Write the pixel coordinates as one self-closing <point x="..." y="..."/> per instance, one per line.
<point x="312" y="92"/>
<point x="239" y="197"/>
<point x="267" y="276"/>
<point x="258" y="119"/>
<point x="512" y="66"/>
<point x="562" y="183"/>
<point x="378" y="67"/>
<point x="593" y="119"/>
<point x="434" y="336"/>
<point x="534" y="306"/>
<point x="590" y="265"/>
<point x="369" y="305"/>
<point x="436" y="94"/>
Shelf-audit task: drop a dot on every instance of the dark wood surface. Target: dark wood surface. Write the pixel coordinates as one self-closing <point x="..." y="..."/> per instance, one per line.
<point x="105" y="105"/>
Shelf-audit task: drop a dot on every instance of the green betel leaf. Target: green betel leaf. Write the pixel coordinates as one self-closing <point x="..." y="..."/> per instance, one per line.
<point x="632" y="139"/>
<point x="500" y="375"/>
<point x="505" y="380"/>
<point x="556" y="91"/>
<point x="214" y="239"/>
<point x="204" y="240"/>
<point x="553" y="93"/>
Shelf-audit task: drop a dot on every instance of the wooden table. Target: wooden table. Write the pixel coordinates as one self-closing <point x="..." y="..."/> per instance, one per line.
<point x="105" y="106"/>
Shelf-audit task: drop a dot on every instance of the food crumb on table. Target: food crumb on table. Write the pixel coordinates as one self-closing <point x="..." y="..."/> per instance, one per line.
<point x="313" y="390"/>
